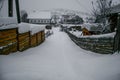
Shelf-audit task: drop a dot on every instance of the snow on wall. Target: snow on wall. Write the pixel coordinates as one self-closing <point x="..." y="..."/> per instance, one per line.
<point x="80" y="35"/>
<point x="109" y="35"/>
<point x="76" y="33"/>
<point x="8" y="22"/>
<point x="8" y="26"/>
<point x="23" y="27"/>
<point x="34" y="28"/>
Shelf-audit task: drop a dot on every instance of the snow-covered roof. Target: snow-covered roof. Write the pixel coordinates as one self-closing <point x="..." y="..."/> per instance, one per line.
<point x="92" y="26"/>
<point x="9" y="23"/>
<point x="40" y="15"/>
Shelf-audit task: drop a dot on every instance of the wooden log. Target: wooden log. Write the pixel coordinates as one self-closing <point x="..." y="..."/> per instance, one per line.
<point x="23" y="41"/>
<point x="8" y="41"/>
<point x="39" y="38"/>
<point x="33" y="40"/>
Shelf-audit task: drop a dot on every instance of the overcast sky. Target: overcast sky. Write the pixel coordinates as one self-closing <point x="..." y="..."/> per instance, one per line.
<point x="80" y="5"/>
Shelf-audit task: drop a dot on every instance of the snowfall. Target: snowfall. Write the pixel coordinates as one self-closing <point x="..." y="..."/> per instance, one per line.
<point x="58" y="58"/>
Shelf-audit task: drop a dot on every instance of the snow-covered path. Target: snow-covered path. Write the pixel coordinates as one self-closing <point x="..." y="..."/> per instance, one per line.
<point x="58" y="58"/>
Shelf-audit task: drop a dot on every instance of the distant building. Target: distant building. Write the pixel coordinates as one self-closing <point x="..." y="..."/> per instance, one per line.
<point x="42" y="17"/>
<point x="91" y="29"/>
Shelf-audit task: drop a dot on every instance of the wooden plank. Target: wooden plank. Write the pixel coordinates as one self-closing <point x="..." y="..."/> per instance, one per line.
<point x="39" y="37"/>
<point x="8" y="31"/>
<point x="24" y="41"/>
<point x="8" y="42"/>
<point x="8" y="49"/>
<point x="9" y="38"/>
<point x="13" y="48"/>
<point x="23" y="38"/>
<point x="33" y="40"/>
<point x="23" y="34"/>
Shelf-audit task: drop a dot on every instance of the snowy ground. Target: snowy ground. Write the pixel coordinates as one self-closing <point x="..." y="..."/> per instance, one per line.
<point x="58" y="58"/>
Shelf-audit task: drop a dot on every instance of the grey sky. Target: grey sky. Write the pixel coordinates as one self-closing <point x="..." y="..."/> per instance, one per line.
<point x="80" y="5"/>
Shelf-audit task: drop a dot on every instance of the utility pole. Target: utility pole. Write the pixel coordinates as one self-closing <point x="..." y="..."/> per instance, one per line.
<point x="18" y="10"/>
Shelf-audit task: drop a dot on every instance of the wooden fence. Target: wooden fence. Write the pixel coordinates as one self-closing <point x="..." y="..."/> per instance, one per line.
<point x="8" y="41"/>
<point x="23" y="41"/>
<point x="12" y="41"/>
<point x="103" y="45"/>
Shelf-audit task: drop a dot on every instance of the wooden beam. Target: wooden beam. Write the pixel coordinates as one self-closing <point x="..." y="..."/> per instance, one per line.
<point x="18" y="11"/>
<point x="10" y="8"/>
<point x="117" y="37"/>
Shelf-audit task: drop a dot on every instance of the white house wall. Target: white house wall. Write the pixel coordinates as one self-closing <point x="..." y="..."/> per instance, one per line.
<point x="4" y="10"/>
<point x="39" y="21"/>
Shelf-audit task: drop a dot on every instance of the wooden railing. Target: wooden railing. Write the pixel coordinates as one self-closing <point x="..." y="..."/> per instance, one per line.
<point x="103" y="45"/>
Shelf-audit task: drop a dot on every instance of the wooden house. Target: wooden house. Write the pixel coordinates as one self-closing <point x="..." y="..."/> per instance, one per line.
<point x="8" y="26"/>
<point x="16" y="36"/>
<point x="85" y="31"/>
<point x="91" y="29"/>
<point x="41" y="17"/>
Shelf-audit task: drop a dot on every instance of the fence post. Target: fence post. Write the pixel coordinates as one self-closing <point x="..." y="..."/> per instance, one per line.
<point x="117" y="36"/>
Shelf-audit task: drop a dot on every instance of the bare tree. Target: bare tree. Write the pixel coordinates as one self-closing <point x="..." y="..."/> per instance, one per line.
<point x="100" y="9"/>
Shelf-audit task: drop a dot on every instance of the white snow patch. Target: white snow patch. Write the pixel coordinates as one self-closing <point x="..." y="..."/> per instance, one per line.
<point x="58" y="58"/>
<point x="7" y="23"/>
<point x="23" y="27"/>
<point x="108" y="35"/>
<point x="33" y="28"/>
<point x="76" y="33"/>
<point x="8" y="26"/>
